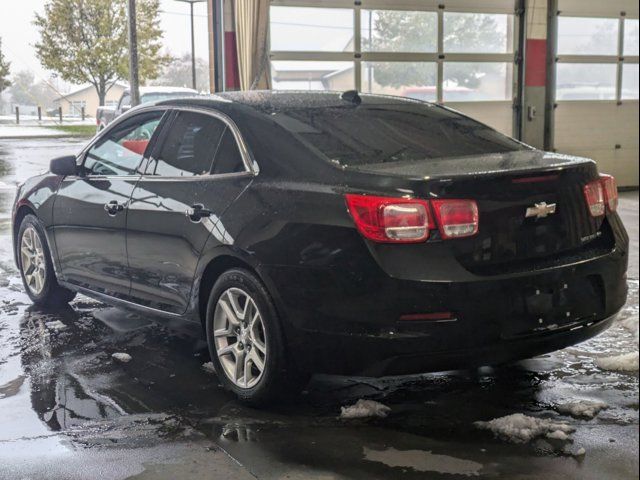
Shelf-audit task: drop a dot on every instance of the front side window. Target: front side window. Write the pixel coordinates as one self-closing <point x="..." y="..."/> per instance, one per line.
<point x="190" y="146"/>
<point x="121" y="150"/>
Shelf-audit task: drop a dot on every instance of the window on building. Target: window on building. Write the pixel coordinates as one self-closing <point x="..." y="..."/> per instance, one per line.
<point x="309" y="75"/>
<point x="398" y="31"/>
<point x="597" y="58"/>
<point x="587" y="36"/>
<point x="478" y="33"/>
<point x="76" y="107"/>
<point x="311" y="29"/>
<point x="631" y="37"/>
<point x="392" y="51"/>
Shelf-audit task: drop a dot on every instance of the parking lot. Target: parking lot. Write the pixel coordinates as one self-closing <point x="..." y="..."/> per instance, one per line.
<point x="69" y="410"/>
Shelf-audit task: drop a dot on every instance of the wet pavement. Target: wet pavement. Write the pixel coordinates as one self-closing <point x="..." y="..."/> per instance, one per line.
<point x="69" y="410"/>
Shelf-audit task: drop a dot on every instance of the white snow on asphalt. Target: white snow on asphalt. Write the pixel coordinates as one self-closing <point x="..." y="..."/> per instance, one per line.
<point x="631" y="323"/>
<point x="17" y="131"/>
<point x="55" y="325"/>
<point x="627" y="362"/>
<point x="365" y="408"/>
<point x="121" y="357"/>
<point x="520" y="428"/>
<point x="209" y="368"/>
<point x="558" y="435"/>
<point x="582" y="408"/>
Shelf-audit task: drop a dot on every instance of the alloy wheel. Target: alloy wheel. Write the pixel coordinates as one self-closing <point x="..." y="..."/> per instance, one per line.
<point x="34" y="266"/>
<point x="240" y="337"/>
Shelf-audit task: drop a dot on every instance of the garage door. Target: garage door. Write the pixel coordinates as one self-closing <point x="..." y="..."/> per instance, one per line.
<point x="459" y="53"/>
<point x="597" y="85"/>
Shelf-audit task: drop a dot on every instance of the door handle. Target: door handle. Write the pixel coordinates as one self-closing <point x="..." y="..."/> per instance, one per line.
<point x="113" y="207"/>
<point x="197" y="212"/>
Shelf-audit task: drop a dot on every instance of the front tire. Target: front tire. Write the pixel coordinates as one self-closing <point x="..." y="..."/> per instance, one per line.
<point x="245" y="340"/>
<point x="36" y="266"/>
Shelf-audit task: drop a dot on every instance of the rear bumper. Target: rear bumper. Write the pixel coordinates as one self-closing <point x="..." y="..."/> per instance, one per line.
<point x="347" y="321"/>
<point x="371" y="360"/>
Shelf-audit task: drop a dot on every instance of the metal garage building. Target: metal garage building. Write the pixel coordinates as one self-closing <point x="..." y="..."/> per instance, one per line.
<point x="558" y="74"/>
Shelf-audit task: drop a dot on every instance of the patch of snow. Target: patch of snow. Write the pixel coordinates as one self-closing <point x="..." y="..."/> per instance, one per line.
<point x="631" y="323"/>
<point x="20" y="131"/>
<point x="627" y="362"/>
<point x="520" y="428"/>
<point x="558" y="435"/>
<point x="365" y="408"/>
<point x="56" y="325"/>
<point x="209" y="368"/>
<point x="121" y="357"/>
<point x="582" y="408"/>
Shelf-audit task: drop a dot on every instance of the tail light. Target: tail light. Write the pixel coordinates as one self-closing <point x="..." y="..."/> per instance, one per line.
<point x="594" y="195"/>
<point x="456" y="218"/>
<point x="610" y="191"/>
<point x="403" y="220"/>
<point x="393" y="220"/>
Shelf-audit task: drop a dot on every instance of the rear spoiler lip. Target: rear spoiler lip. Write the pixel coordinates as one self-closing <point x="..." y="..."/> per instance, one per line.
<point x="519" y="163"/>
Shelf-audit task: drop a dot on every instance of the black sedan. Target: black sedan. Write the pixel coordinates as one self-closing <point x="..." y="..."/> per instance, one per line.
<point x="327" y="232"/>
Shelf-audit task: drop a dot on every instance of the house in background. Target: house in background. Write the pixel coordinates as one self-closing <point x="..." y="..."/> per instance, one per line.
<point x="87" y="97"/>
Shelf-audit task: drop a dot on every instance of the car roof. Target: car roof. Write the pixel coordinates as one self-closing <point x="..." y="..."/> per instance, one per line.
<point x="267" y="101"/>
<point x="162" y="89"/>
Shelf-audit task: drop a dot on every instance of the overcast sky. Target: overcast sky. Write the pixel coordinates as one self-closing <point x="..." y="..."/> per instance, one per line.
<point x="18" y="33"/>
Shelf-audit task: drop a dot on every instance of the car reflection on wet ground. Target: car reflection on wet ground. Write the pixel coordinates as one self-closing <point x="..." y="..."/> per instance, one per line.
<point x="70" y="410"/>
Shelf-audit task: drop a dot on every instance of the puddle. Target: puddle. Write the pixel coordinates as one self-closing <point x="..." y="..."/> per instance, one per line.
<point x="423" y="461"/>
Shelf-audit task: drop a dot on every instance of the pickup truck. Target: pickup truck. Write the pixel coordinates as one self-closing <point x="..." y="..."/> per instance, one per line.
<point x="106" y="115"/>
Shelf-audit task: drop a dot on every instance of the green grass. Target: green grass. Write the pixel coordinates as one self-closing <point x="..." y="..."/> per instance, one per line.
<point x="80" y="130"/>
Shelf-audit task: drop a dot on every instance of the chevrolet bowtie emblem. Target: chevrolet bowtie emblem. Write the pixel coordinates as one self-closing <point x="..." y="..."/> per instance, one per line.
<point x="541" y="210"/>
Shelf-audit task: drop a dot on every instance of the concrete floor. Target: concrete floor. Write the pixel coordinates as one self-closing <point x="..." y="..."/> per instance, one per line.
<point x="68" y="411"/>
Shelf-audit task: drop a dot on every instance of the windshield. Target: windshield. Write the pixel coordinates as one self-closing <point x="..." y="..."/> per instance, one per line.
<point x="369" y="134"/>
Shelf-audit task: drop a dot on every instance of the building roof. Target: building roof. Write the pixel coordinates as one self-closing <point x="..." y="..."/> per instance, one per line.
<point x="83" y="89"/>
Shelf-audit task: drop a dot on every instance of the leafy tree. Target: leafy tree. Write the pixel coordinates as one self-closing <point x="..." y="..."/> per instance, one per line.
<point x="178" y="74"/>
<point x="86" y="41"/>
<point x="25" y="91"/>
<point x="4" y="71"/>
<point x="396" y="31"/>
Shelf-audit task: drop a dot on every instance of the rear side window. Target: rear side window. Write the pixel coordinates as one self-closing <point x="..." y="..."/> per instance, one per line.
<point x="370" y="134"/>
<point x="228" y="158"/>
<point x="189" y="146"/>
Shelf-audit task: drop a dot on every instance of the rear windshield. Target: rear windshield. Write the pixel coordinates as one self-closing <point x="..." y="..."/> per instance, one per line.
<point x="370" y="134"/>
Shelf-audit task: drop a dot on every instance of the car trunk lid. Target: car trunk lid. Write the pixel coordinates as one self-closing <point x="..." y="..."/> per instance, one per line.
<point x="531" y="205"/>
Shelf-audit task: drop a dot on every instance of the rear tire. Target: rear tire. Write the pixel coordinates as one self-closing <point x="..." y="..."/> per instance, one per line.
<point x="246" y="342"/>
<point x="36" y="266"/>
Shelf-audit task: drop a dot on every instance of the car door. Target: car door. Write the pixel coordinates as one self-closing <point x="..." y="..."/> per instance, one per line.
<point x="177" y="203"/>
<point x="89" y="213"/>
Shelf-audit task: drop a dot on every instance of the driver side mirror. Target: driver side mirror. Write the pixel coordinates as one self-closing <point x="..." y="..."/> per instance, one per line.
<point x="64" y="166"/>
